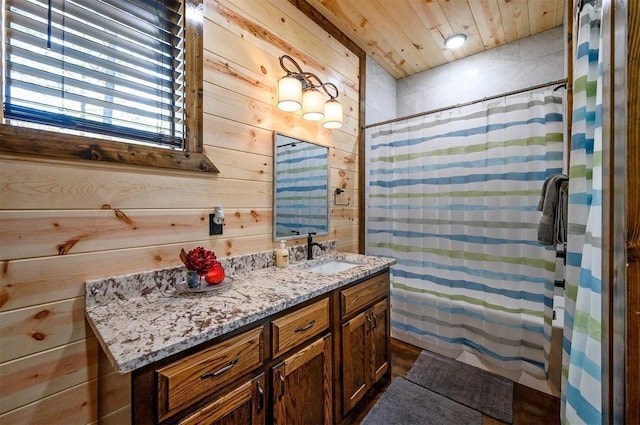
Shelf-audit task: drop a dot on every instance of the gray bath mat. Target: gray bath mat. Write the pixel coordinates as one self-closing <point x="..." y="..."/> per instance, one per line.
<point x="476" y="388"/>
<point x="405" y="403"/>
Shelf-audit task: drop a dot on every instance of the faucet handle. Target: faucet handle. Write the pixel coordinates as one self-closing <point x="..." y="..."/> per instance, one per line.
<point x="310" y="244"/>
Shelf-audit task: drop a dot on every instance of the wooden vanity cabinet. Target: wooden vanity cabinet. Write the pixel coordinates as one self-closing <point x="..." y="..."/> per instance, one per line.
<point x="309" y="364"/>
<point x="365" y="346"/>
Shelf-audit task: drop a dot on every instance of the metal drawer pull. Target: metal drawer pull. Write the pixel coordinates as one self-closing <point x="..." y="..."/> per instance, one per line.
<point x="220" y="371"/>
<point x="309" y="326"/>
<point x="281" y="384"/>
<point x="375" y="320"/>
<point x="260" y="397"/>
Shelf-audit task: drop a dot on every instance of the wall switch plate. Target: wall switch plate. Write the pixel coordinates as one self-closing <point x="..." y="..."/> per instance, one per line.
<point x="214" y="229"/>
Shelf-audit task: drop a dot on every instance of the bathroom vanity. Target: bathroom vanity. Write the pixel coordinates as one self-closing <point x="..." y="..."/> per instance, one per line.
<point x="284" y="346"/>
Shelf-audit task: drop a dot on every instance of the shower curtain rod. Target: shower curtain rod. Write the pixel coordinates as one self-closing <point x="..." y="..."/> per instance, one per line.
<point x="484" y="99"/>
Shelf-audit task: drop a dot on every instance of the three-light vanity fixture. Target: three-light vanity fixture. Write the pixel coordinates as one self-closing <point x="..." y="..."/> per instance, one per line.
<point x="299" y="89"/>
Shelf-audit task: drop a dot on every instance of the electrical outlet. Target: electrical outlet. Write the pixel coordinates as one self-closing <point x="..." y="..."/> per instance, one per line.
<point x="214" y="229"/>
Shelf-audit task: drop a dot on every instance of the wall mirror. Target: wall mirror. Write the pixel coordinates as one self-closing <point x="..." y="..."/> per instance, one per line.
<point x="301" y="188"/>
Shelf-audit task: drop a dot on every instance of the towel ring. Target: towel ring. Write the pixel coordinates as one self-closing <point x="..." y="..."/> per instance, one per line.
<point x="337" y="192"/>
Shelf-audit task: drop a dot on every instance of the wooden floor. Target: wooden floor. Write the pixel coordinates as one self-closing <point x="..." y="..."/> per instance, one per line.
<point x="529" y="406"/>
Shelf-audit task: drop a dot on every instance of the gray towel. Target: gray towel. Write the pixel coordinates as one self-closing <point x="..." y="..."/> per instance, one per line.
<point x="553" y="204"/>
<point x="560" y="226"/>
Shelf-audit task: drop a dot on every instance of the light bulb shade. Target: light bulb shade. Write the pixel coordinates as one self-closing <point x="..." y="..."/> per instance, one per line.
<point x="312" y="105"/>
<point x="289" y="94"/>
<point x="332" y="114"/>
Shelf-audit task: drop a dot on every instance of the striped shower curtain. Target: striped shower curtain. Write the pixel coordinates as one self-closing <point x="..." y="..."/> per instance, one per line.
<point x="453" y="197"/>
<point x="582" y="359"/>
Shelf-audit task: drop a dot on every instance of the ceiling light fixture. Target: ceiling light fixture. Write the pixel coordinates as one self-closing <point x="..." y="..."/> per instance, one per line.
<point x="299" y="89"/>
<point x="454" y="41"/>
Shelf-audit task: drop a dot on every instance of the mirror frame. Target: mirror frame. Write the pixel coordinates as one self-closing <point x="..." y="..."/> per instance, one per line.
<point x="283" y="137"/>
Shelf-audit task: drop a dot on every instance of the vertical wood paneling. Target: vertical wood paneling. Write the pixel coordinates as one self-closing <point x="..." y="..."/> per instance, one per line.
<point x="515" y="19"/>
<point x="382" y="22"/>
<point x="489" y="20"/>
<point x="542" y="15"/>
<point x="395" y="36"/>
<point x="348" y="17"/>
<point x="406" y="20"/>
<point x="63" y="222"/>
<point x="632" y="401"/>
<point x="460" y="18"/>
<point x="437" y="25"/>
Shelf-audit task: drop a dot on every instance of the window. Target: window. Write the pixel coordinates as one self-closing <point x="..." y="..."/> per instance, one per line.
<point x="105" y="68"/>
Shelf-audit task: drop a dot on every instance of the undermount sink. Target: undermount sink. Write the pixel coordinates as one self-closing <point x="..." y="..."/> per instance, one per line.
<point x="331" y="266"/>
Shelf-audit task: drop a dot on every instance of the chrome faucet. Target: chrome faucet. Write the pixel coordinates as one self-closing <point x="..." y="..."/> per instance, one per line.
<point x="311" y="244"/>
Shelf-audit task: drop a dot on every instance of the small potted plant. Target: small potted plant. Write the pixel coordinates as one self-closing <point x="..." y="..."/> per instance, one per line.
<point x="201" y="264"/>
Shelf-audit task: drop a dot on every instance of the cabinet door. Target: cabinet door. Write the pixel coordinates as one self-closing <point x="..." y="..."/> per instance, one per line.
<point x="302" y="386"/>
<point x="243" y="406"/>
<point x="355" y="360"/>
<point x="379" y="337"/>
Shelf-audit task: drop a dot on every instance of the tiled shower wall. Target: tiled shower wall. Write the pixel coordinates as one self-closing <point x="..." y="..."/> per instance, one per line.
<point x="521" y="64"/>
<point x="381" y="94"/>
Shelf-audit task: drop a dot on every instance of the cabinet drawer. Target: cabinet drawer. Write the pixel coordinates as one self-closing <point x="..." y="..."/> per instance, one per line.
<point x="246" y="402"/>
<point x="363" y="294"/>
<point x="299" y="326"/>
<point x="188" y="380"/>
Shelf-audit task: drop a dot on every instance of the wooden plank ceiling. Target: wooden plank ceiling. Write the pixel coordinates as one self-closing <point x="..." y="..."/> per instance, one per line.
<point x="407" y="36"/>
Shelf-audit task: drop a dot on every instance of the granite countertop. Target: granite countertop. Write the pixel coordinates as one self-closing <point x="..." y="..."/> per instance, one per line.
<point x="141" y="318"/>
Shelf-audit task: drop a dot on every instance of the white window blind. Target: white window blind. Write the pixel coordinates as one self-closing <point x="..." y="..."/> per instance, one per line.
<point x="106" y="67"/>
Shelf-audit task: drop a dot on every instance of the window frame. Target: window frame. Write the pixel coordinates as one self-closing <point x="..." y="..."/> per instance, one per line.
<point x="52" y="144"/>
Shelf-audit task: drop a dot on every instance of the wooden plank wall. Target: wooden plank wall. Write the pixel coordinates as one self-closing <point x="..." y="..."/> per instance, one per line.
<point x="632" y="405"/>
<point x="63" y="222"/>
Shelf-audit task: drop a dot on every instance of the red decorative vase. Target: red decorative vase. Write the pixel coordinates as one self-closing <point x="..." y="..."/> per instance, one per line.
<point x="215" y="274"/>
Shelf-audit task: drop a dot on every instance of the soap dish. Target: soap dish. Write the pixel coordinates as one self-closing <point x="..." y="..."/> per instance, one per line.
<point x="183" y="289"/>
